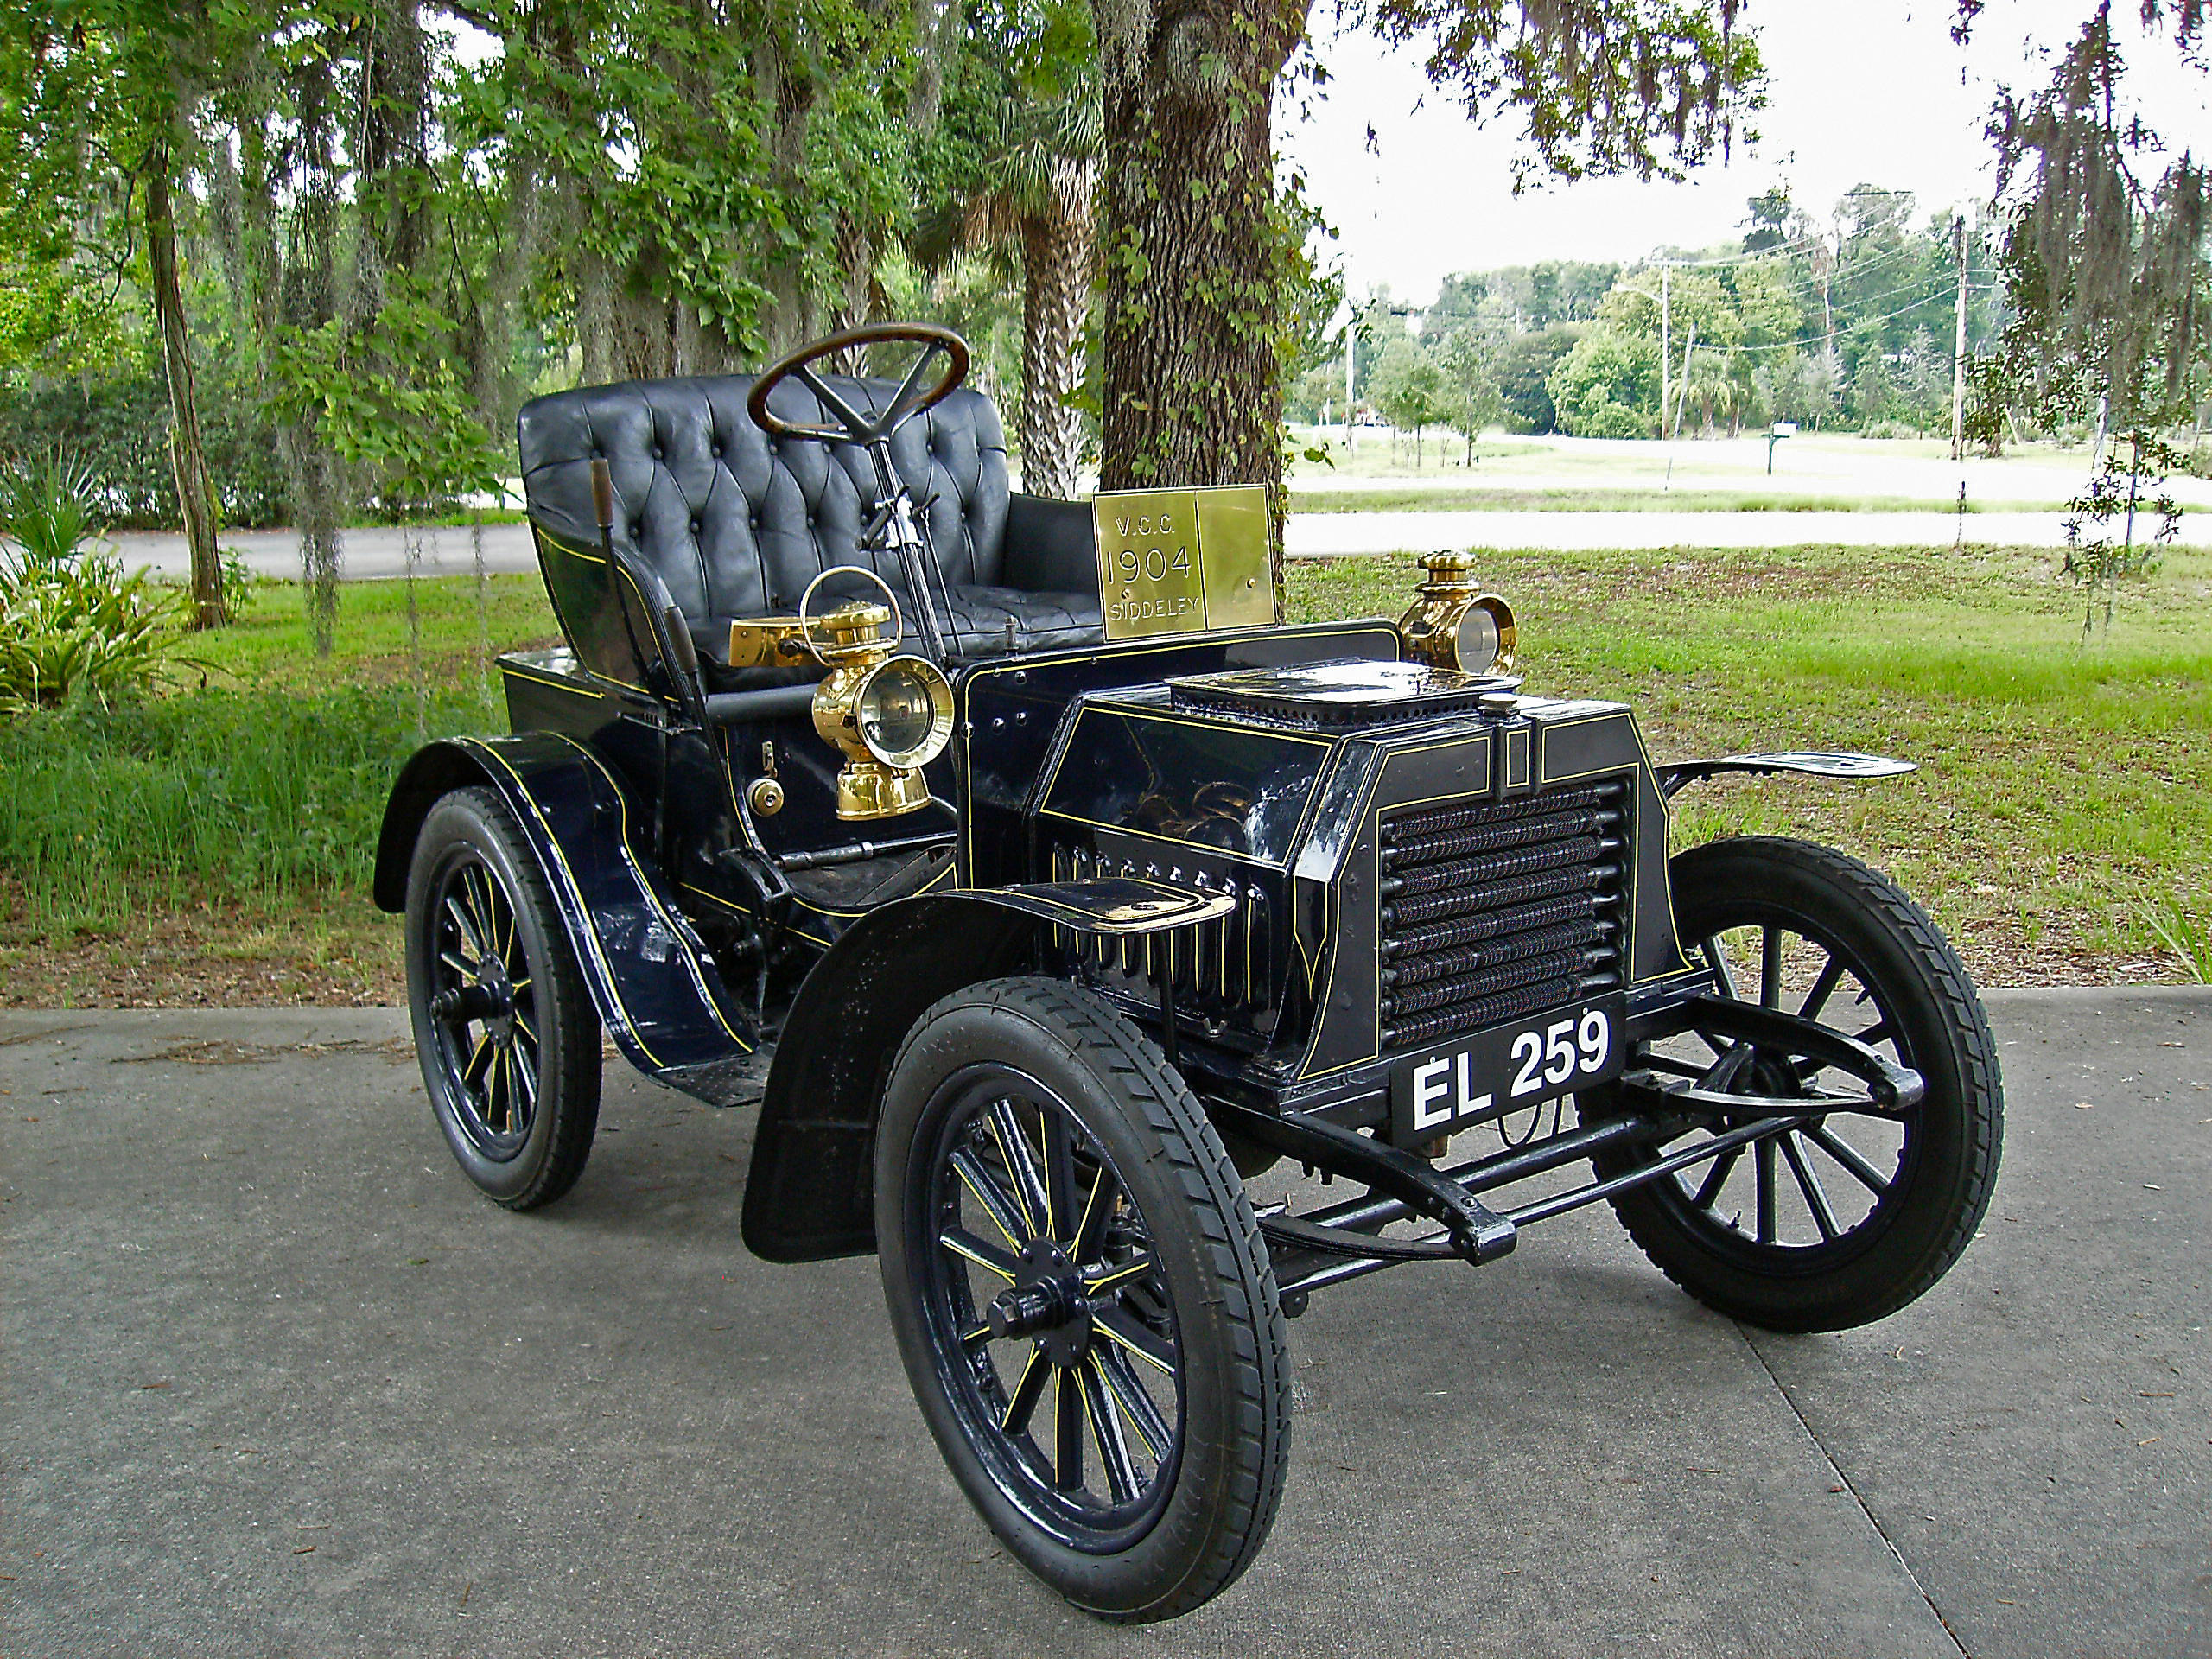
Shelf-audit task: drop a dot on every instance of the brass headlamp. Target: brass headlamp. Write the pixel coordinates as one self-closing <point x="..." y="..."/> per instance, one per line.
<point x="1452" y="625"/>
<point x="888" y="714"/>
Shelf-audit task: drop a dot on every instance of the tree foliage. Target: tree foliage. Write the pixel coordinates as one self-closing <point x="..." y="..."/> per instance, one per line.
<point x="1608" y="386"/>
<point x="1409" y="389"/>
<point x="2121" y="522"/>
<point x="2106" y="265"/>
<point x="1643" y="88"/>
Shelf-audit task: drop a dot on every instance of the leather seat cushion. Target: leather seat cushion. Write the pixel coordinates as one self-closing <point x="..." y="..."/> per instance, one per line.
<point x="737" y="523"/>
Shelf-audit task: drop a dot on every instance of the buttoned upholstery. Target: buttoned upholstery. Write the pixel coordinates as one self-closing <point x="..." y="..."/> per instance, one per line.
<point x="736" y="523"/>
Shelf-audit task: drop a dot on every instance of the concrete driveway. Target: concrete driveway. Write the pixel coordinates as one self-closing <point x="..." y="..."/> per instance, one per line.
<point x="278" y="1382"/>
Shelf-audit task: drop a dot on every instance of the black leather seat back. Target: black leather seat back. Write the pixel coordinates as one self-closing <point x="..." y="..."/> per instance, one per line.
<point x="737" y="523"/>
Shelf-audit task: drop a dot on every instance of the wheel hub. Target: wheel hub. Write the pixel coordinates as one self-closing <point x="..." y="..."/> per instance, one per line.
<point x="1047" y="1300"/>
<point x="498" y="993"/>
<point x="489" y="999"/>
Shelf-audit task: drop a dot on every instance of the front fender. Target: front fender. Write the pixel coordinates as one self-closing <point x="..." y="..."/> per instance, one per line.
<point x="651" y="976"/>
<point x="811" y="1191"/>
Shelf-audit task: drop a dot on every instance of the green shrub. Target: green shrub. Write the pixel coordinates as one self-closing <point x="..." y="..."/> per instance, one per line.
<point x="119" y="428"/>
<point x="70" y="619"/>
<point x="46" y="513"/>
<point x="1608" y="386"/>
<point x="83" y="627"/>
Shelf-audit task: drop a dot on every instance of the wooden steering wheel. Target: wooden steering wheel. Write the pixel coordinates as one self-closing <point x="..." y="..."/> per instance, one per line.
<point x="853" y="426"/>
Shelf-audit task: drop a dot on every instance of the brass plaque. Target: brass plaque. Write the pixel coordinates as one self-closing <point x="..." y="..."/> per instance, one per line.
<point x="1183" y="561"/>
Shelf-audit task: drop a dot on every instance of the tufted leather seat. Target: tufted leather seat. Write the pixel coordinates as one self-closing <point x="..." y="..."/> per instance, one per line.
<point x="737" y="523"/>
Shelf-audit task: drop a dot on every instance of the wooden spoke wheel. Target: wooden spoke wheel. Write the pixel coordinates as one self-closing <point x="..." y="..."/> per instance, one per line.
<point x="1846" y="1216"/>
<point x="1082" y="1297"/>
<point x="504" y="1028"/>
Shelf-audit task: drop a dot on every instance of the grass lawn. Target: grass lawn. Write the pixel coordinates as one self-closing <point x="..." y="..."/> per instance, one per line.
<point x="215" y="847"/>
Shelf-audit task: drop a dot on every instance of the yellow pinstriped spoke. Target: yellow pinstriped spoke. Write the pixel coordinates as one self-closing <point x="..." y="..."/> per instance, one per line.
<point x="1067" y="1433"/>
<point x="1021" y="1168"/>
<point x="977" y="1180"/>
<point x="466" y="924"/>
<point x="1060" y="1182"/>
<point x="1095" y="1209"/>
<point x="1113" y="1276"/>
<point x="476" y="884"/>
<point x="1130" y="1398"/>
<point x="1022" y="1400"/>
<point x="1106" y="1434"/>
<point x="969" y="1248"/>
<point x="525" y="1075"/>
<point x="1127" y="1334"/>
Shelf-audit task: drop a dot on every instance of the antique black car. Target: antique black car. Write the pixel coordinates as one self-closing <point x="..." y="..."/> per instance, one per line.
<point x="1086" y="909"/>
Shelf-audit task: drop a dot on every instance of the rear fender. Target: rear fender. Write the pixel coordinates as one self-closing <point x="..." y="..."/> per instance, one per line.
<point x="811" y="1191"/>
<point x="651" y="978"/>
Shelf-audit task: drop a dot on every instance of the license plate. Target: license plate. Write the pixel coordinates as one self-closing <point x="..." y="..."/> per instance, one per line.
<point x="1507" y="1068"/>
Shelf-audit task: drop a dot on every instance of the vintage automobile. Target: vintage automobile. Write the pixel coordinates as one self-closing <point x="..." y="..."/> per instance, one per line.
<point x="1072" y="891"/>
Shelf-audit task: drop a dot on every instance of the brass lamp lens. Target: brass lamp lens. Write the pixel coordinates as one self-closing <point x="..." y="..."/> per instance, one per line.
<point x="900" y="712"/>
<point x="1475" y="644"/>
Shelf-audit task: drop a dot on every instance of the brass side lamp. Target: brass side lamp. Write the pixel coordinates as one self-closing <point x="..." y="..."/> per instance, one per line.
<point x="888" y="714"/>
<point x="1452" y="625"/>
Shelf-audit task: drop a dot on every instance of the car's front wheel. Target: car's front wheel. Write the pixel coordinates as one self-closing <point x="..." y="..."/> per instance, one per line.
<point x="1081" y="1298"/>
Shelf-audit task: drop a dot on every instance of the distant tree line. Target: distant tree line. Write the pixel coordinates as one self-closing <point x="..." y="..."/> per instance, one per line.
<point x="1845" y="322"/>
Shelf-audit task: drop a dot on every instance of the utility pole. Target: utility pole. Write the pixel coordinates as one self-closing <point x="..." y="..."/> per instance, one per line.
<point x="1958" y="343"/>
<point x="1682" y="397"/>
<point x="1666" y="347"/>
<point x="1351" y="352"/>
<point x="1824" y="259"/>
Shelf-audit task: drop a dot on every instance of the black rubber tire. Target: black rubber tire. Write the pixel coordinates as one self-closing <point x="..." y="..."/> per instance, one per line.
<point x="475" y="827"/>
<point x="1947" y="1162"/>
<point x="1228" y="1479"/>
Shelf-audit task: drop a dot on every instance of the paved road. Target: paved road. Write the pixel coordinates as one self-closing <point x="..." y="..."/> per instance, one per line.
<point x="1830" y="466"/>
<point x="381" y="553"/>
<point x="279" y="1383"/>
<point x="1314" y="534"/>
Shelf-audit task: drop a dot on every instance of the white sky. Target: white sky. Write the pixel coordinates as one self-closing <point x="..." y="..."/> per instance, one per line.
<point x="1859" y="90"/>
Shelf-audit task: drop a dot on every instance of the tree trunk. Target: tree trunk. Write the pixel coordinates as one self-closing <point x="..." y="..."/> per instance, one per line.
<point x="1057" y="253"/>
<point x="195" y="494"/>
<point x="1195" y="257"/>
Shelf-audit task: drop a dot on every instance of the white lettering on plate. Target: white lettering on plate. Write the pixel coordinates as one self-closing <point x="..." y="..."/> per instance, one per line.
<point x="1469" y="1100"/>
<point x="1433" y="1082"/>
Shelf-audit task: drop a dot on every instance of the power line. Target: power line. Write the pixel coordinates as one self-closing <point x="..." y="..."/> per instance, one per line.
<point x="1847" y="328"/>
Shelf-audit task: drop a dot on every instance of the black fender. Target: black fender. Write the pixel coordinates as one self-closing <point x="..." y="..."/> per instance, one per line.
<point x="655" y="985"/>
<point x="810" y="1193"/>
<point x="1826" y="763"/>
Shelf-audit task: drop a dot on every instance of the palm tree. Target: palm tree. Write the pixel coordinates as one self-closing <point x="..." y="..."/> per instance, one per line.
<point x="1037" y="197"/>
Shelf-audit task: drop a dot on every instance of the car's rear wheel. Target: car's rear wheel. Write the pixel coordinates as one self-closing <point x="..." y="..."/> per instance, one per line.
<point x="1081" y="1298"/>
<point x="504" y="1024"/>
<point x="1846" y="1218"/>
